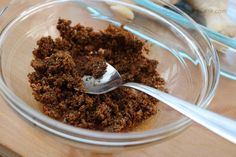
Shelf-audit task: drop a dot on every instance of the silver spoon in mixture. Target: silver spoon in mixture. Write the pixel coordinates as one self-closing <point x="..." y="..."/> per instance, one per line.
<point x="111" y="80"/>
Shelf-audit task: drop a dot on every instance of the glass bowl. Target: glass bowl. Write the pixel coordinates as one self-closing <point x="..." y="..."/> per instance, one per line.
<point x="187" y="62"/>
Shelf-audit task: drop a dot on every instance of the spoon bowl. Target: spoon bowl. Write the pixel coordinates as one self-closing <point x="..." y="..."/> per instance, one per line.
<point x="108" y="82"/>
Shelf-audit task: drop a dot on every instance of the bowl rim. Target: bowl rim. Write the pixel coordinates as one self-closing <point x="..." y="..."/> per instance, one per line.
<point x="98" y="137"/>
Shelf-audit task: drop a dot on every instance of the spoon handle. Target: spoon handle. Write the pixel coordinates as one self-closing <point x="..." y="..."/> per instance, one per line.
<point x="220" y="125"/>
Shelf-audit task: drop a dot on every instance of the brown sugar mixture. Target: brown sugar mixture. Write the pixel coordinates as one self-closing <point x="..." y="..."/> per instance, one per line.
<point x="59" y="64"/>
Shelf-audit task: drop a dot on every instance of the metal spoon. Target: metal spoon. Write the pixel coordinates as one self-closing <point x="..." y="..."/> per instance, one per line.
<point x="111" y="80"/>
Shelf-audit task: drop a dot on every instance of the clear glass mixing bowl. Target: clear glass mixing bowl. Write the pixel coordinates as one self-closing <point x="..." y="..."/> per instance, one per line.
<point x="188" y="63"/>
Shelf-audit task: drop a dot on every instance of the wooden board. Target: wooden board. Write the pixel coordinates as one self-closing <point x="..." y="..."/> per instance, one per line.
<point x="18" y="138"/>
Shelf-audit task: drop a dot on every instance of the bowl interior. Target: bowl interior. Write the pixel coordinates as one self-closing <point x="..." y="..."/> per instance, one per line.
<point x="180" y="62"/>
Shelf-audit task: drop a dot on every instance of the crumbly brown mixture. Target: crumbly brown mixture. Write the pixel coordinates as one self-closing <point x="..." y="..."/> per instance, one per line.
<point x="60" y="64"/>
